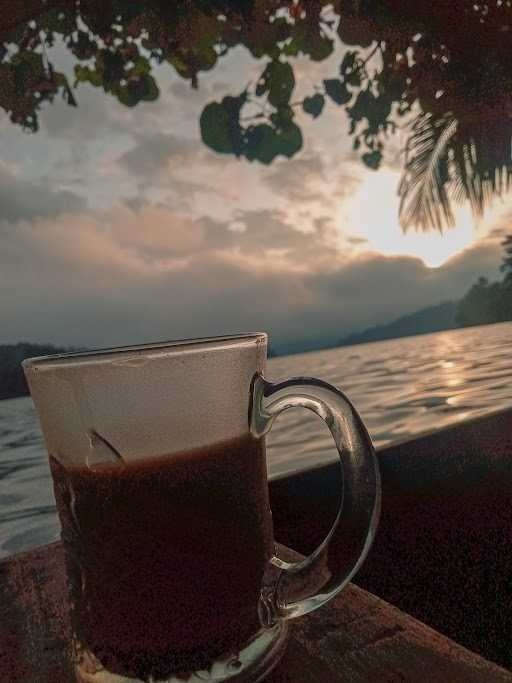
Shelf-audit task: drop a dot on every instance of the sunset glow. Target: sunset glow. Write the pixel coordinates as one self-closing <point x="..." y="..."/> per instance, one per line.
<point x="372" y="213"/>
<point x="145" y="232"/>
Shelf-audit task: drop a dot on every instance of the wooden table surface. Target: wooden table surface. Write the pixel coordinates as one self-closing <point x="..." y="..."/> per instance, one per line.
<point x="356" y="638"/>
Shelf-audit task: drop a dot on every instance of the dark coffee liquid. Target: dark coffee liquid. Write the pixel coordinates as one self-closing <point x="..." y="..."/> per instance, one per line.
<point x="166" y="556"/>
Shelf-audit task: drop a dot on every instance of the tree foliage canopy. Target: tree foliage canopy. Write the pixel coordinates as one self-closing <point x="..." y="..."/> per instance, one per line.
<point x="12" y="378"/>
<point x="489" y="302"/>
<point x="440" y="70"/>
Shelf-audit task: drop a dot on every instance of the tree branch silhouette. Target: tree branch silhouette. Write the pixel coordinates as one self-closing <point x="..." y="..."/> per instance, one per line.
<point x="403" y="66"/>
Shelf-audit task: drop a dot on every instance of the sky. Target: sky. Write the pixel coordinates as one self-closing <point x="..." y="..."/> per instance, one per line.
<point x="119" y="226"/>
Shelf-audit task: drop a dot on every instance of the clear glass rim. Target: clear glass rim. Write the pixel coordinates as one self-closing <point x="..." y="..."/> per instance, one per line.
<point x="203" y="343"/>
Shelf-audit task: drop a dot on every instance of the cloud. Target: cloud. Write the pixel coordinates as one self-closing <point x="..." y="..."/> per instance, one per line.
<point x="22" y="199"/>
<point x="298" y="179"/>
<point x="184" y="92"/>
<point x="373" y="288"/>
<point x="312" y="178"/>
<point x="95" y="114"/>
<point x="126" y="276"/>
<point x="167" y="163"/>
<point x="159" y="236"/>
<point x="263" y="232"/>
<point x="499" y="233"/>
<point x="153" y="152"/>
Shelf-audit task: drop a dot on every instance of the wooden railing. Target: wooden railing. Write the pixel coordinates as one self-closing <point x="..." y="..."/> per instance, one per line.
<point x="443" y="554"/>
<point x="443" y="551"/>
<point x="357" y="637"/>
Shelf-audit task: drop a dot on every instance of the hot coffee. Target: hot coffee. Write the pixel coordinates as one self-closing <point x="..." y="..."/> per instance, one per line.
<point x="166" y="556"/>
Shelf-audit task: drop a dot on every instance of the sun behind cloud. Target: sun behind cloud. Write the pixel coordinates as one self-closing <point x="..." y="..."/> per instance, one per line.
<point x="372" y="213"/>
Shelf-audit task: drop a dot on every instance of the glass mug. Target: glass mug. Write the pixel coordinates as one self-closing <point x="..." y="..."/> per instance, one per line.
<point x="157" y="455"/>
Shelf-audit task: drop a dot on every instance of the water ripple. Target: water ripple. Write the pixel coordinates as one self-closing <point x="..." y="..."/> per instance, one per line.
<point x="400" y="387"/>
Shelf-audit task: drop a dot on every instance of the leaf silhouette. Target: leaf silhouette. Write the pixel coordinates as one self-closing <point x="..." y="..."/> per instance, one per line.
<point x="337" y="91"/>
<point x="314" y="105"/>
<point x="424" y="196"/>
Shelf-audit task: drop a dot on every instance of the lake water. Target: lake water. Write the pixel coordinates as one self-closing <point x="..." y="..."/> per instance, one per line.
<point x="401" y="387"/>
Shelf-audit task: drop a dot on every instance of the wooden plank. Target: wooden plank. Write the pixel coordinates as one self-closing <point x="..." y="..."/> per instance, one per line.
<point x="358" y="637"/>
<point x="361" y="639"/>
<point x="443" y="551"/>
<point x="34" y="623"/>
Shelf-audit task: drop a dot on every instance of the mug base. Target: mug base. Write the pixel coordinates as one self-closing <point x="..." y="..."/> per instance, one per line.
<point x="255" y="661"/>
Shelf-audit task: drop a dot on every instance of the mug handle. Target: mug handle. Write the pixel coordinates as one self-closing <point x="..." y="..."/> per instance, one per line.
<point x="291" y="589"/>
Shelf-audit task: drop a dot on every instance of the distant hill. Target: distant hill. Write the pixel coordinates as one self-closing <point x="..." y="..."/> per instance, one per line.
<point x="430" y="319"/>
<point x="12" y="379"/>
